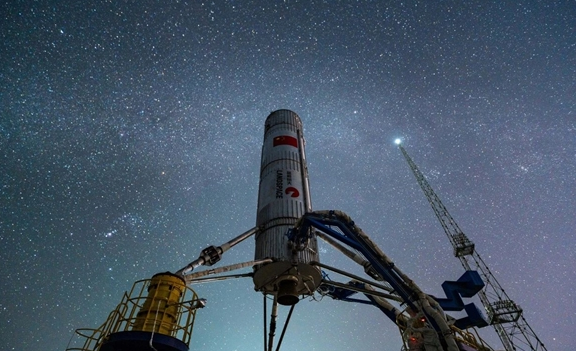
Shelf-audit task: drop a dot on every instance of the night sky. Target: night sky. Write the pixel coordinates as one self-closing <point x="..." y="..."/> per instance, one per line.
<point x="130" y="138"/>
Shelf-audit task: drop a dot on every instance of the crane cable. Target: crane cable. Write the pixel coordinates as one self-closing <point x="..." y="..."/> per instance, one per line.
<point x="285" y="327"/>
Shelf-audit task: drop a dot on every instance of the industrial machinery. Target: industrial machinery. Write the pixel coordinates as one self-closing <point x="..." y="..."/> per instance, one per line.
<point x="503" y="314"/>
<point x="158" y="314"/>
<point x="422" y="322"/>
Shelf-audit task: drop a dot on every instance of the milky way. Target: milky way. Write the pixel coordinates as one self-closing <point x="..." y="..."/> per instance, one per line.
<point x="130" y="136"/>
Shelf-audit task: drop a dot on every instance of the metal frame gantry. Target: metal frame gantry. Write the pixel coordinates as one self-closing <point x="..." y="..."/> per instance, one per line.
<point x="503" y="314"/>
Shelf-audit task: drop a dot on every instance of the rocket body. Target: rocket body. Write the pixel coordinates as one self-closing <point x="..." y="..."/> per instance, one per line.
<point x="283" y="198"/>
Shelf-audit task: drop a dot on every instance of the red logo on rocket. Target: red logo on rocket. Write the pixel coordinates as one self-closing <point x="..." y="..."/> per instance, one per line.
<point x="292" y="191"/>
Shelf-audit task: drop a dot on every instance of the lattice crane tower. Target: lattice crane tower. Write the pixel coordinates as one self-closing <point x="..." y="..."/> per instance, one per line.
<point x="503" y="313"/>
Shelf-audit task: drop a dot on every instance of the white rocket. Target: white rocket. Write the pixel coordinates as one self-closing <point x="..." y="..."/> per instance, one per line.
<point x="284" y="196"/>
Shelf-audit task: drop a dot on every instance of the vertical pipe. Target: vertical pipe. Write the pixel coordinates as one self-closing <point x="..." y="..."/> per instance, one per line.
<point x="273" y="317"/>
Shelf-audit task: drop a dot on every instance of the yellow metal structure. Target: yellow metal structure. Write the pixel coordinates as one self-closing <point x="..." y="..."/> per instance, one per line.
<point x="162" y="305"/>
<point x="160" y="311"/>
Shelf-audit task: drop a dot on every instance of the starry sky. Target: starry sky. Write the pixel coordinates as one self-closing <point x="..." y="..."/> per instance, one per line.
<point x="130" y="137"/>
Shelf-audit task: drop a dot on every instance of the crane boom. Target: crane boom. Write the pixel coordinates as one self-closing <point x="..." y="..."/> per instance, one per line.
<point x="503" y="314"/>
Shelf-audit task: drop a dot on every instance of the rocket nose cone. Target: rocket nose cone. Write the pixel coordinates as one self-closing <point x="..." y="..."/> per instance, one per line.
<point x="282" y="116"/>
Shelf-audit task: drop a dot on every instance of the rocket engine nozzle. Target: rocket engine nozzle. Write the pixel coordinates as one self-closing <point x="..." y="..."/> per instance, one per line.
<point x="288" y="292"/>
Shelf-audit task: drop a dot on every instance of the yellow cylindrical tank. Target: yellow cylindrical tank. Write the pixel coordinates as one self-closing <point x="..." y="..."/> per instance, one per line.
<point x="161" y="309"/>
